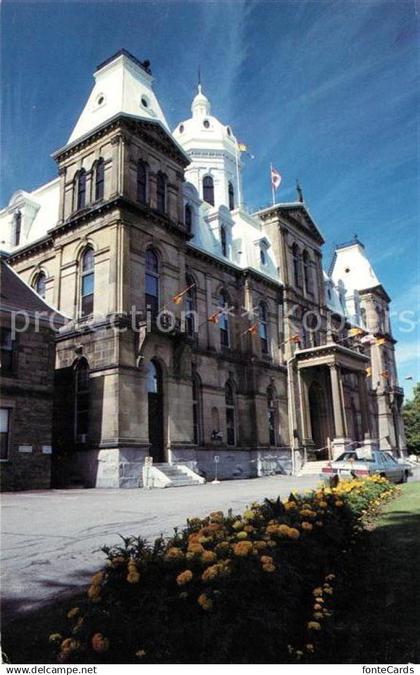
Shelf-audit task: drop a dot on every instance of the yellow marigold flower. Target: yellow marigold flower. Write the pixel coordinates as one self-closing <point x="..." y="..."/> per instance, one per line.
<point x="73" y="612"/>
<point x="97" y="578"/>
<point x="100" y="644"/>
<point x="338" y="502"/>
<point x="266" y="559"/>
<point x="204" y="601"/>
<point x="330" y="577"/>
<point x="242" y="548"/>
<point x="217" y="517"/>
<point x="174" y="553"/>
<point x="310" y="648"/>
<point x="272" y="529"/>
<point x="318" y="615"/>
<point x="205" y="540"/>
<point x="323" y="505"/>
<point x="211" y="573"/>
<point x="249" y="515"/>
<point x="289" y="505"/>
<point x="260" y="545"/>
<point x="140" y="653"/>
<point x="133" y="577"/>
<point x="269" y="567"/>
<point x="196" y="548"/>
<point x="317" y="607"/>
<point x="242" y="535"/>
<point x="307" y="513"/>
<point x="70" y="645"/>
<point x="317" y="591"/>
<point x="184" y="578"/>
<point x="293" y="533"/>
<point x="271" y="543"/>
<point x="306" y="526"/>
<point x="284" y="530"/>
<point x="314" y="625"/>
<point x="208" y="556"/>
<point x="238" y="525"/>
<point x="94" y="593"/>
<point x="328" y="590"/>
<point x="55" y="637"/>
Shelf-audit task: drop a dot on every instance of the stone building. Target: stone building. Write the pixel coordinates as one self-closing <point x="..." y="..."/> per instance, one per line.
<point x="199" y="331"/>
<point x="27" y="330"/>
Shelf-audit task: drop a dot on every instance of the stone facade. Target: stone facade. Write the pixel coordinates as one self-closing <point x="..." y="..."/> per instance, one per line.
<point x="258" y="391"/>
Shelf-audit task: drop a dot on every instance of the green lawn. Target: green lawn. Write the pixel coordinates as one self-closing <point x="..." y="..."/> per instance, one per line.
<point x="379" y="617"/>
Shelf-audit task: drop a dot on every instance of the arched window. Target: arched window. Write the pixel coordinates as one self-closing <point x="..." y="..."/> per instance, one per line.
<point x="81" y="417"/>
<point x="262" y="322"/>
<point x="161" y="192"/>
<point x="188" y="218"/>
<point x="81" y="189"/>
<point x="196" y="403"/>
<point x="230" y="414"/>
<point x="154" y="378"/>
<point x="271" y="414"/>
<point x="152" y="282"/>
<point x="307" y="272"/>
<point x="99" y="179"/>
<point x="208" y="190"/>
<point x="141" y="182"/>
<point x="296" y="265"/>
<point x="223" y="241"/>
<point x="17" y="227"/>
<point x="231" y="193"/>
<point x="190" y="305"/>
<point x="263" y="256"/>
<point x="40" y="284"/>
<point x="224" y="320"/>
<point x="87" y="285"/>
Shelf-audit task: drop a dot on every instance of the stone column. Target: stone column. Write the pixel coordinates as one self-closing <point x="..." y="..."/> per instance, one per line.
<point x="339" y="422"/>
<point x="364" y="403"/>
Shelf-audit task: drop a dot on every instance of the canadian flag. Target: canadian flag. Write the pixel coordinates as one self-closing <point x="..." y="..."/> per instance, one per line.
<point x="275" y="178"/>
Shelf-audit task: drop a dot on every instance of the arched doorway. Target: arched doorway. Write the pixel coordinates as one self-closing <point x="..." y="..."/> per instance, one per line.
<point x="155" y="414"/>
<point x="317" y="410"/>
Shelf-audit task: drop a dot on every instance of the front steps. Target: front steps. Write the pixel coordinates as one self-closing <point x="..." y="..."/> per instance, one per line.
<point x="170" y="475"/>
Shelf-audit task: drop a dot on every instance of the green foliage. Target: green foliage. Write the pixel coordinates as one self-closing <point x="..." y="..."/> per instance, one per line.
<point x="411" y="416"/>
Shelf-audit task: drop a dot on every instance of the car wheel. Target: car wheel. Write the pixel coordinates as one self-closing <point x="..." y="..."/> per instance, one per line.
<point x="404" y="478"/>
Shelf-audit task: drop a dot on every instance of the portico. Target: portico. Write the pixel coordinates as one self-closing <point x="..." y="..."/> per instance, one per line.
<point x="325" y="415"/>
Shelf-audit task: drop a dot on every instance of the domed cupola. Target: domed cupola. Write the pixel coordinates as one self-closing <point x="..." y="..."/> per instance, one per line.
<point x="200" y="106"/>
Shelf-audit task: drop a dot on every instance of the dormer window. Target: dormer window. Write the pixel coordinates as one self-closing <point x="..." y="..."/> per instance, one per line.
<point x="188" y="218"/>
<point x="263" y="257"/>
<point x="40" y="284"/>
<point x="206" y="124"/>
<point x="17" y="228"/>
<point x="231" y="193"/>
<point x="223" y="240"/>
<point x="208" y="190"/>
<point x="181" y="128"/>
<point x="144" y="102"/>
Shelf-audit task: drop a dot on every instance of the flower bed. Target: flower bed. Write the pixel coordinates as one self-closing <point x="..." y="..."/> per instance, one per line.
<point x="255" y="588"/>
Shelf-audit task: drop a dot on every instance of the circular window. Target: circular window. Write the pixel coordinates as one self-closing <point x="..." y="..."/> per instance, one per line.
<point x="100" y="100"/>
<point x="347" y="270"/>
<point x="228" y="131"/>
<point x="181" y="128"/>
<point x="144" y="102"/>
<point x="206" y="124"/>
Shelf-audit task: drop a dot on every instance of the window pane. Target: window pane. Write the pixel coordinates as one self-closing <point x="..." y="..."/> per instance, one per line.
<point x="152" y="285"/>
<point x="87" y="284"/>
<point x="87" y="305"/>
<point x="4" y="420"/>
<point x="152" y="263"/>
<point x="87" y="260"/>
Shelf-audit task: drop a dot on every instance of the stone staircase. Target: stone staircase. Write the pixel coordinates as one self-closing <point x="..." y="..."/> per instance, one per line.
<point x="178" y="475"/>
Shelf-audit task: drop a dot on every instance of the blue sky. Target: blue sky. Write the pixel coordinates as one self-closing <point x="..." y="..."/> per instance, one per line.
<point x="327" y="91"/>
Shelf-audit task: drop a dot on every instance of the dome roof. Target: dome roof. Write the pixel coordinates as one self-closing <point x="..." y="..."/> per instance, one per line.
<point x="203" y="130"/>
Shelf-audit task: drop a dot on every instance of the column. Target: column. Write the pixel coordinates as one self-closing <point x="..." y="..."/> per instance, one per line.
<point x="339" y="421"/>
<point x="364" y="403"/>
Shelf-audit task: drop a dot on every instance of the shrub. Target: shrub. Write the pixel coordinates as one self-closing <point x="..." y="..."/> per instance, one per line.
<point x="241" y="589"/>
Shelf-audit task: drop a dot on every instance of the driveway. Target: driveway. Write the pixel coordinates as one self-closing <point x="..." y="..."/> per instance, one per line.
<point x="51" y="540"/>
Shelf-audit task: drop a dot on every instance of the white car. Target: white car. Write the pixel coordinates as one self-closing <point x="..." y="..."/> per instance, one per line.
<point x="359" y="464"/>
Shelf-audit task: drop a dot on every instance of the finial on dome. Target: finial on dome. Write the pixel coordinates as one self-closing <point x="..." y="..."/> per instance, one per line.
<point x="201" y="105"/>
<point x="299" y="191"/>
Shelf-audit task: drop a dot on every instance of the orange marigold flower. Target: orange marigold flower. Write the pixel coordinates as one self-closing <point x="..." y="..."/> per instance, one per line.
<point x="266" y="559"/>
<point x="184" y="578"/>
<point x="242" y="548"/>
<point x="204" y="601"/>
<point x="195" y="548"/>
<point x="293" y="533"/>
<point x="284" y="530"/>
<point x="269" y="567"/>
<point x="100" y="644"/>
<point x="307" y="526"/>
<point x="314" y="625"/>
<point x="174" y="553"/>
<point x="208" y="556"/>
<point x="211" y="573"/>
<point x="73" y="612"/>
<point x="310" y="648"/>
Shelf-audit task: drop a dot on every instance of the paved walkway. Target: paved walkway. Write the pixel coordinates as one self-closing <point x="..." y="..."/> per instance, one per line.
<point x="51" y="540"/>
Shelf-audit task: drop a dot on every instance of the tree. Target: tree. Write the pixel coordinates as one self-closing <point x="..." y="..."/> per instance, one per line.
<point x="411" y="415"/>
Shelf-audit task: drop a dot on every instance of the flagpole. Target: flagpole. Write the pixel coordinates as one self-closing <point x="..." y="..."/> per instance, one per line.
<point x="238" y="186"/>
<point x="272" y="186"/>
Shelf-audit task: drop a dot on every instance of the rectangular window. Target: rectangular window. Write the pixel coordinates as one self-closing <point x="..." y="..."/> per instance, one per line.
<point x="4" y="432"/>
<point x="7" y="352"/>
<point x="230" y="426"/>
<point x="87" y="294"/>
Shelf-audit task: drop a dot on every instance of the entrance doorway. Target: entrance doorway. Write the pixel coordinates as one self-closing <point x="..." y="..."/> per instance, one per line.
<point x="318" y="415"/>
<point x="155" y="414"/>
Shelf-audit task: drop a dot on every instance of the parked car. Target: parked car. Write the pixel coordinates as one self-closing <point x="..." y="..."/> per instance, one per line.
<point x="359" y="463"/>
